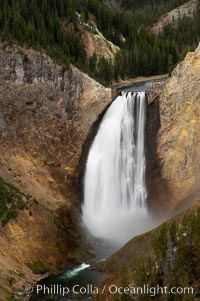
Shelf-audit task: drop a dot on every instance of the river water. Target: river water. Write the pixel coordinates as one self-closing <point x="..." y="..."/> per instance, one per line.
<point x="71" y="284"/>
<point x="77" y="283"/>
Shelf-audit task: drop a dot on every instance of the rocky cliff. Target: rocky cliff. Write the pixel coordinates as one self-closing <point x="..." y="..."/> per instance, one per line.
<point x="176" y="134"/>
<point x="46" y="114"/>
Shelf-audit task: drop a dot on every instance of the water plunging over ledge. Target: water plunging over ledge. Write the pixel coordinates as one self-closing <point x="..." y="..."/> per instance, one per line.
<point x="115" y="198"/>
<point x="125" y="212"/>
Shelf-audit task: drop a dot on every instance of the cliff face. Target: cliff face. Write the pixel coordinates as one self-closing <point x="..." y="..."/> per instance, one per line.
<point x="45" y="116"/>
<point x="177" y="135"/>
<point x="55" y="108"/>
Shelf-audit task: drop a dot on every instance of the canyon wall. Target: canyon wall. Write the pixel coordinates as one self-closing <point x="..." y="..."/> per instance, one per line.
<point x="174" y="118"/>
<point x="46" y="114"/>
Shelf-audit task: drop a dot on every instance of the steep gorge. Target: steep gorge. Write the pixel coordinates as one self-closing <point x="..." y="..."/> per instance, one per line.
<point x="46" y="118"/>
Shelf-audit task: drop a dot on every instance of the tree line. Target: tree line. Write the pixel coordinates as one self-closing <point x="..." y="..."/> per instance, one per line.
<point x="53" y="25"/>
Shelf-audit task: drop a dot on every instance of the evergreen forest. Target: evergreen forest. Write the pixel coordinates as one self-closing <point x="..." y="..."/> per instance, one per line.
<point x="39" y="24"/>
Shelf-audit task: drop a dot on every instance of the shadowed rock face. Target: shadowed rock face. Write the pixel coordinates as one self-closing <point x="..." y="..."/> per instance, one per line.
<point x="175" y="151"/>
<point x="45" y="116"/>
<point x="45" y="111"/>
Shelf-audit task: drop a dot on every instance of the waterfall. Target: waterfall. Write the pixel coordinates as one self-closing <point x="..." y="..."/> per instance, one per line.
<point x="115" y="196"/>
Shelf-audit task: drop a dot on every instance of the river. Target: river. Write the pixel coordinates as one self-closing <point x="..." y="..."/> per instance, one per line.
<point x="77" y="283"/>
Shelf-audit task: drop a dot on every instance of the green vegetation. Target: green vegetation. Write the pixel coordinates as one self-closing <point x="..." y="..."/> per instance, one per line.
<point x="54" y="26"/>
<point x="11" y="201"/>
<point x="174" y="259"/>
<point x="37" y="266"/>
<point x="159" y="7"/>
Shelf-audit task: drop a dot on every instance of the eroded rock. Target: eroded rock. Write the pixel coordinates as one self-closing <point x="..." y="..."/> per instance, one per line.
<point x="45" y="116"/>
<point x="178" y="138"/>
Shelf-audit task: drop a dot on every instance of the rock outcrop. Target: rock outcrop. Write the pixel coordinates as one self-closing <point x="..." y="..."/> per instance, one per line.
<point x="95" y="42"/>
<point x="188" y="9"/>
<point x="45" y="116"/>
<point x="175" y="133"/>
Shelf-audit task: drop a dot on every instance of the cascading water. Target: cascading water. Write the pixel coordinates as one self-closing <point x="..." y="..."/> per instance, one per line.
<point x="115" y="197"/>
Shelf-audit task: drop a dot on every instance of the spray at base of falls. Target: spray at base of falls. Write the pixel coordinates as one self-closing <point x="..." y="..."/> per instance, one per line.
<point x="115" y="197"/>
<point x="75" y="271"/>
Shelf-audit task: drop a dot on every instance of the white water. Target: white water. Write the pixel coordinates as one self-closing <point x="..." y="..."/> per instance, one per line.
<point x="115" y="197"/>
<point x="75" y="271"/>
